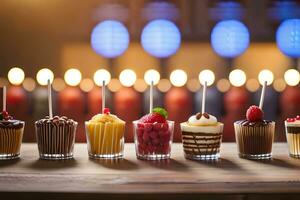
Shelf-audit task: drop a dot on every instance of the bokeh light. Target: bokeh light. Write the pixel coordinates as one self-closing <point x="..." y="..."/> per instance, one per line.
<point x="178" y="77"/>
<point x="114" y="85"/>
<point x="110" y="38"/>
<point x="86" y="85"/>
<point x="292" y="77"/>
<point x="230" y="38"/>
<point x="101" y="75"/>
<point x="29" y="84"/>
<point x="140" y="85"/>
<point x="288" y="37"/>
<point x="193" y="85"/>
<point x="58" y="84"/>
<point x="164" y="85"/>
<point x="252" y="85"/>
<point x="223" y="85"/>
<point x="152" y="75"/>
<point x="208" y="76"/>
<point x="237" y="77"/>
<point x="72" y="77"/>
<point x="127" y="77"/>
<point x="16" y="76"/>
<point x="279" y="85"/>
<point x="265" y="75"/>
<point x="161" y="38"/>
<point x="44" y="75"/>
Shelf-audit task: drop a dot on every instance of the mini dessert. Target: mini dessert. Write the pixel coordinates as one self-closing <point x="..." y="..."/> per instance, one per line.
<point x="153" y="135"/>
<point x="292" y="129"/>
<point x="105" y="136"/>
<point x="202" y="137"/>
<point x="254" y="135"/>
<point x="55" y="137"/>
<point x="11" y="134"/>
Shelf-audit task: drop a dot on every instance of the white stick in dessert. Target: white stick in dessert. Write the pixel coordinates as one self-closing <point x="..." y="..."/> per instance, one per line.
<point x="50" y="99"/>
<point x="204" y="96"/>
<point x="151" y="96"/>
<point x="103" y="95"/>
<point x="262" y="96"/>
<point x="4" y="98"/>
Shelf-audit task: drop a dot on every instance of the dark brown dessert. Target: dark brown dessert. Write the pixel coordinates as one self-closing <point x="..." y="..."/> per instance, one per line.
<point x="56" y="137"/>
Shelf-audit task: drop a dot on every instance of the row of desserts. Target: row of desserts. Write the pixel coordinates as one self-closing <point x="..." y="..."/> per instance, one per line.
<point x="201" y="136"/>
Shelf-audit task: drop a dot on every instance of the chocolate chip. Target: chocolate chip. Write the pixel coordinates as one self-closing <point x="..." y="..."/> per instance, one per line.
<point x="206" y="115"/>
<point x="198" y="116"/>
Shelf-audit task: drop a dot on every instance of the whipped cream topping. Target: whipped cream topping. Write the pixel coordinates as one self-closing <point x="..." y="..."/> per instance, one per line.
<point x="294" y="123"/>
<point x="202" y="120"/>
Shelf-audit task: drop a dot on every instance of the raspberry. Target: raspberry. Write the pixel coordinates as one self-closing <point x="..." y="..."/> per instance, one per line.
<point x="153" y="117"/>
<point x="298" y="117"/>
<point x="290" y="119"/>
<point x="254" y="114"/>
<point x="106" y="111"/>
<point x="148" y="127"/>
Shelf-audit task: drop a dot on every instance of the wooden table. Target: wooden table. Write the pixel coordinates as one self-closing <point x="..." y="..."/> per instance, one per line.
<point x="178" y="178"/>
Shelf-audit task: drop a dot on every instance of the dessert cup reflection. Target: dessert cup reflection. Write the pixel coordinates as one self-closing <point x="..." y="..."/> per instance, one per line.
<point x="292" y="129"/>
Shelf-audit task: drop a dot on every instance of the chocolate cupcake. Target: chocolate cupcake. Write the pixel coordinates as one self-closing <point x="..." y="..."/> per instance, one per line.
<point x="11" y="134"/>
<point x="55" y="137"/>
<point x="292" y="129"/>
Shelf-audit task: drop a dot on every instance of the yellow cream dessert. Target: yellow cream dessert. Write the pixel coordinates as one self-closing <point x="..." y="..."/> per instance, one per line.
<point x="201" y="137"/>
<point x="105" y="136"/>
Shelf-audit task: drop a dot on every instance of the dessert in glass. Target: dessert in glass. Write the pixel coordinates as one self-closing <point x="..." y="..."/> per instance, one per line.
<point x="11" y="134"/>
<point x="202" y="137"/>
<point x="55" y="137"/>
<point x="153" y="135"/>
<point x="292" y="129"/>
<point x="105" y="136"/>
<point x="254" y="136"/>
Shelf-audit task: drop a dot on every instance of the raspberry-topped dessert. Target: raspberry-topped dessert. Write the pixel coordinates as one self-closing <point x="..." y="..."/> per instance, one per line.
<point x="11" y="134"/>
<point x="254" y="135"/>
<point x="292" y="129"/>
<point x="153" y="135"/>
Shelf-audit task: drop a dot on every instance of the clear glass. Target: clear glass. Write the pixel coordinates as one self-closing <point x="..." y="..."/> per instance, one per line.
<point x="55" y="142"/>
<point x="153" y="140"/>
<point x="105" y="140"/>
<point x="255" y="142"/>
<point x="293" y="140"/>
<point x="10" y="142"/>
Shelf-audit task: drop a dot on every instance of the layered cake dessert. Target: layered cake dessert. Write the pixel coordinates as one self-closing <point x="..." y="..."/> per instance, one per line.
<point x="55" y="137"/>
<point x="292" y="129"/>
<point x="254" y="136"/>
<point x="105" y="136"/>
<point x="153" y="135"/>
<point x="11" y="134"/>
<point x="202" y="137"/>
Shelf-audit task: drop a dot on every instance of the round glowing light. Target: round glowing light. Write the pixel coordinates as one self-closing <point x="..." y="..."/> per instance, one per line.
<point x="58" y="84"/>
<point x="279" y="85"/>
<point x="237" y="77"/>
<point x="86" y="85"/>
<point x="265" y="75"/>
<point x="102" y="75"/>
<point x="178" y="77"/>
<point x="223" y="85"/>
<point x="208" y="76"/>
<point x="16" y="76"/>
<point x="193" y="85"/>
<point x="44" y="75"/>
<point x="288" y="37"/>
<point x="127" y="77"/>
<point x="110" y="38"/>
<point x="161" y="38"/>
<point x="152" y="75"/>
<point x="252" y="85"/>
<point x="230" y="38"/>
<point x="140" y="85"/>
<point x="114" y="85"/>
<point x="72" y="77"/>
<point x="164" y="85"/>
<point x="29" y="84"/>
<point x="292" y="77"/>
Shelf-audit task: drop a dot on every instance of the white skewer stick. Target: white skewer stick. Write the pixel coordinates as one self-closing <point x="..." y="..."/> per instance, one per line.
<point x="262" y="96"/>
<point x="50" y="99"/>
<point x="4" y="98"/>
<point x="204" y="96"/>
<point x="103" y="95"/>
<point x="151" y="97"/>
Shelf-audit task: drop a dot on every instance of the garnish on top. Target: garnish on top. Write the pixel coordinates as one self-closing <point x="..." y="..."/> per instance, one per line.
<point x="202" y="119"/>
<point x="5" y="116"/>
<point x="106" y="111"/>
<point x="158" y="115"/>
<point x="254" y="114"/>
<point x="295" y="119"/>
<point x="106" y="117"/>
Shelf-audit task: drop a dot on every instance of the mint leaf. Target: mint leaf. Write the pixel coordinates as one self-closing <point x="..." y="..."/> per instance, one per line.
<point x="160" y="111"/>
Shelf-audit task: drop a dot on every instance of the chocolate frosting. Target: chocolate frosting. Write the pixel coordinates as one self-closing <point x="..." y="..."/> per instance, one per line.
<point x="11" y="123"/>
<point x="56" y="120"/>
<point x="246" y="122"/>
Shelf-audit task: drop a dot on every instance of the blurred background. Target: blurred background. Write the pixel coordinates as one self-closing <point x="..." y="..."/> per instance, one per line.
<point x="234" y="45"/>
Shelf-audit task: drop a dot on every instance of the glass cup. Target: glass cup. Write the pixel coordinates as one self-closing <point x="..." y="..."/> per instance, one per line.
<point x="293" y="139"/>
<point x="255" y="142"/>
<point x="105" y="140"/>
<point x="11" y="140"/>
<point x="55" y="141"/>
<point x="153" y="140"/>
